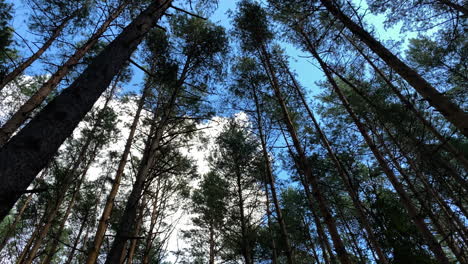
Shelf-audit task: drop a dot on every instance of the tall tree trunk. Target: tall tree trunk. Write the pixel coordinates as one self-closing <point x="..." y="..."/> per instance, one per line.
<point x="327" y="252"/>
<point x="154" y="219"/>
<point x="106" y="213"/>
<point x="436" y="99"/>
<point x="24" y="112"/>
<point x="424" y="205"/>
<point x="53" y="247"/>
<point x="443" y="141"/>
<point x="150" y="155"/>
<point x="40" y="139"/>
<point x="245" y="243"/>
<point x="77" y="239"/>
<point x="271" y="180"/>
<point x="55" y="33"/>
<point x="316" y="192"/>
<point x="134" y="241"/>
<point x="344" y="174"/>
<point x="411" y="209"/>
<point x="310" y="244"/>
<point x="212" y="244"/>
<point x="463" y="183"/>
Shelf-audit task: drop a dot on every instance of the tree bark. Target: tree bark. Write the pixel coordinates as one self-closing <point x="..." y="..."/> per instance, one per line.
<point x="40" y="139"/>
<point x="440" y="102"/>
<point x="25" y="111"/>
<point x="18" y="70"/>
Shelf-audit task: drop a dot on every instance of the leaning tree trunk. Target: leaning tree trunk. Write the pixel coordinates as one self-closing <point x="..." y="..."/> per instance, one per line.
<point x="71" y="254"/>
<point x="271" y="181"/>
<point x="443" y="141"/>
<point x="245" y="245"/>
<point x="106" y="213"/>
<point x="303" y="162"/>
<point x="436" y="99"/>
<point x="25" y="111"/>
<point x="344" y="174"/>
<point x="18" y="70"/>
<point x="127" y="221"/>
<point x="33" y="147"/>
<point x="52" y="250"/>
<point x="411" y="209"/>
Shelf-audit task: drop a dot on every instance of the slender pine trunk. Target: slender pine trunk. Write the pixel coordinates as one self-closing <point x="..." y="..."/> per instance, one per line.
<point x="303" y="162"/>
<point x="411" y="209"/>
<point x="453" y="113"/>
<point x="271" y="181"/>
<point x="93" y="252"/>
<point x="18" y="70"/>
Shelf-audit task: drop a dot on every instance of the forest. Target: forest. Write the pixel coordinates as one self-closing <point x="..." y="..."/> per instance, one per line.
<point x="234" y="131"/>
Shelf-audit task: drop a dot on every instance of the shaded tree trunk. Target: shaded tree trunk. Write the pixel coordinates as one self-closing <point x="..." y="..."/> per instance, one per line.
<point x="53" y="248"/>
<point x="25" y="111"/>
<point x="40" y="139"/>
<point x="440" y="102"/>
<point x="93" y="252"/>
<point x="150" y="155"/>
<point x="303" y="162"/>
<point x="77" y="239"/>
<point x="344" y="174"/>
<point x="18" y="70"/>
<point x="411" y="209"/>
<point x="271" y="181"/>
<point x="245" y="245"/>
<point x="444" y="141"/>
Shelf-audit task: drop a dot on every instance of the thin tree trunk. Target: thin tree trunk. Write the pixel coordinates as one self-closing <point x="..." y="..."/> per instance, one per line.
<point x="316" y="192"/>
<point x="40" y="139"/>
<point x="271" y="181"/>
<point x="411" y="209"/>
<point x="153" y="221"/>
<point x="18" y="70"/>
<point x="456" y="251"/>
<point x="344" y="174"/>
<point x="24" y="112"/>
<point x="444" y="141"/>
<point x="324" y="243"/>
<point x="53" y="248"/>
<point x="436" y="99"/>
<point x="212" y="245"/>
<point x="106" y="213"/>
<point x="127" y="221"/>
<point x="311" y="244"/>
<point x="463" y="183"/>
<point x="245" y="247"/>
<point x="77" y="239"/>
<point x="134" y="241"/>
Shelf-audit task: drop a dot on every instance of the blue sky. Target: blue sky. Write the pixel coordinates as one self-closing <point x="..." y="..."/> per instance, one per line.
<point x="308" y="74"/>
